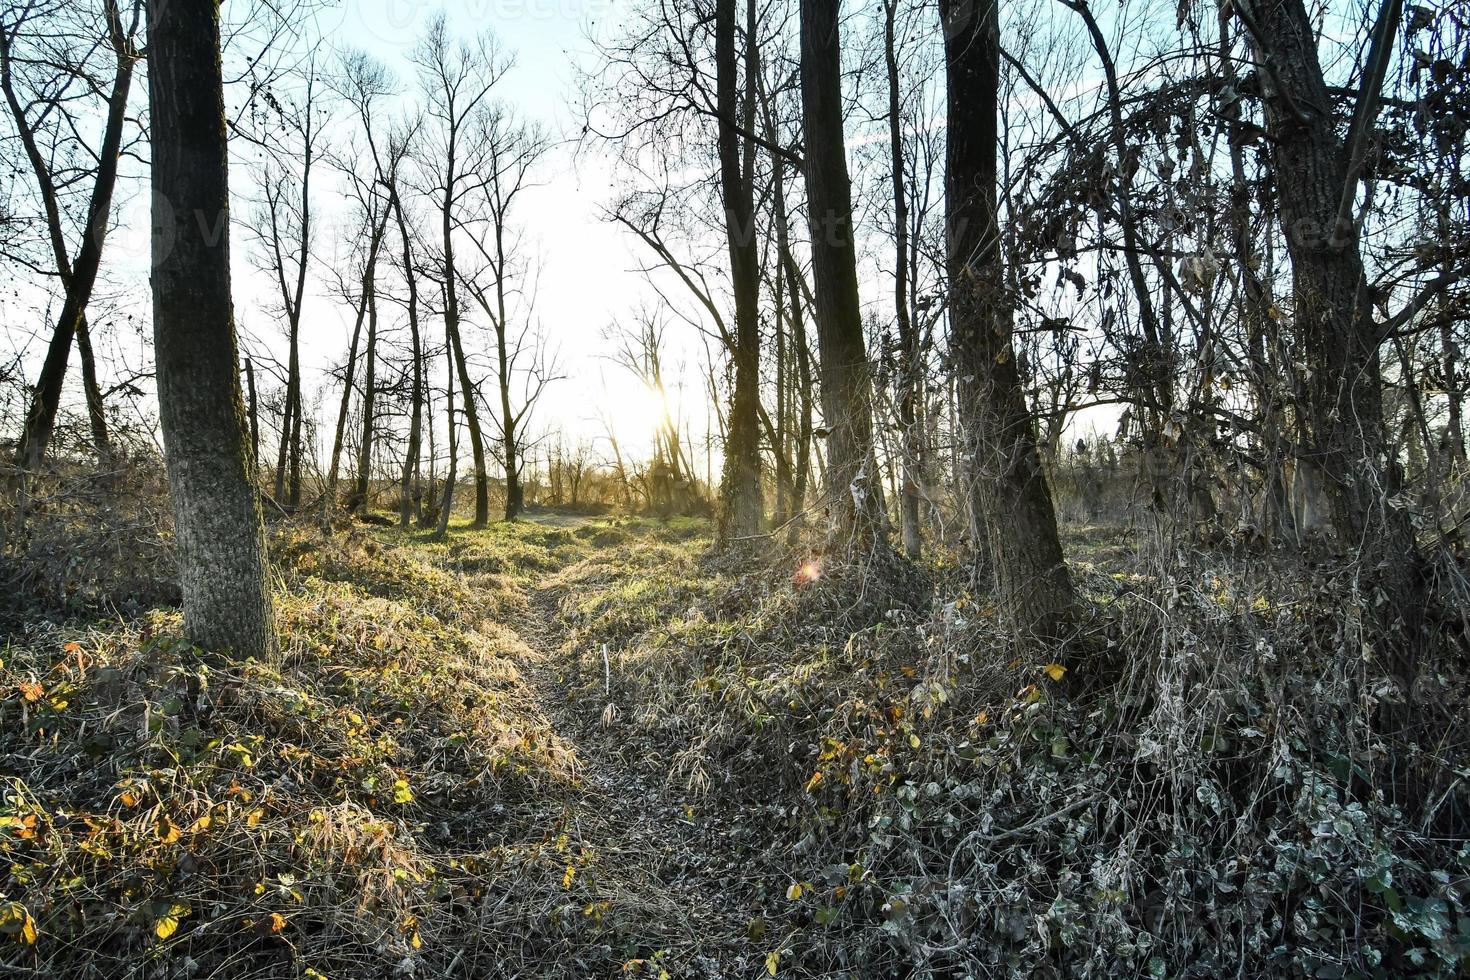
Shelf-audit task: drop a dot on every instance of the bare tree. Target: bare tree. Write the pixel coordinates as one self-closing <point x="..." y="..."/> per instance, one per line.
<point x="510" y="150"/>
<point x="217" y="519"/>
<point x="46" y="121"/>
<point x="1009" y="490"/>
<point x="742" y="509"/>
<point x="283" y="227"/>
<point x="854" y="490"/>
<point x="457" y="81"/>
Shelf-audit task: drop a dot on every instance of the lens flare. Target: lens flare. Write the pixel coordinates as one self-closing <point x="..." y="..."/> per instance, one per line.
<point x="807" y="572"/>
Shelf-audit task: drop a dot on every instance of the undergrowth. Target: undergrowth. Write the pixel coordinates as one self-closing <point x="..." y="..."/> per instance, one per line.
<point x="387" y="800"/>
<point x="597" y="750"/>
<point x="1196" y="786"/>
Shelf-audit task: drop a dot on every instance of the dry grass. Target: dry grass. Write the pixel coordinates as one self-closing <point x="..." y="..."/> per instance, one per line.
<point x="595" y="750"/>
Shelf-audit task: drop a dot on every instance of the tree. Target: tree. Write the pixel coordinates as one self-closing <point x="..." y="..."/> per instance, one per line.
<point x="457" y="82"/>
<point x="50" y="108"/>
<point x="1008" y="488"/>
<point x="510" y="151"/>
<point x="909" y="360"/>
<point x="854" y="490"/>
<point x="1318" y="174"/>
<point x="741" y="491"/>
<point x="284" y="228"/>
<point x="217" y="519"/>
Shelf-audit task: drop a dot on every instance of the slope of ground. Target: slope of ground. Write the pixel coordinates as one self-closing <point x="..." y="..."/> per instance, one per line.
<point x="593" y="750"/>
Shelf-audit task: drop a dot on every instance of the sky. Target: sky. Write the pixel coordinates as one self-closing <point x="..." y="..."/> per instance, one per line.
<point x="587" y="266"/>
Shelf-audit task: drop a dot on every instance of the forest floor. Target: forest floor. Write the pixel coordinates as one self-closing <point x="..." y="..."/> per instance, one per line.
<point x="589" y="747"/>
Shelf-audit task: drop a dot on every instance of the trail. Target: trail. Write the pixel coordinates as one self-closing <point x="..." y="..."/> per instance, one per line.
<point x="670" y="849"/>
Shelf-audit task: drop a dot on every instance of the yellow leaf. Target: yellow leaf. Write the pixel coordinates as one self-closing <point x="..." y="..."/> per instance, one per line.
<point x="411" y="928"/>
<point x="794" y="892"/>
<point x="1055" y="671"/>
<point x="167" y="830"/>
<point x="201" y="824"/>
<point x="773" y="959"/>
<point x="253" y="817"/>
<point x="566" y="879"/>
<point x="16" y="922"/>
<point x="168" y="923"/>
<point x="815" y="781"/>
<point x="401" y="792"/>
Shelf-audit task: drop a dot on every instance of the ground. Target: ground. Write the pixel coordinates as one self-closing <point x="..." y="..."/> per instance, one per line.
<point x="577" y="747"/>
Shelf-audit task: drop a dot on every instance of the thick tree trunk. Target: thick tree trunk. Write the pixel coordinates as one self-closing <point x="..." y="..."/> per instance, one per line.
<point x="1008" y="489"/>
<point x="217" y="521"/>
<point x="1343" y="411"/>
<point x="854" y="493"/>
<point x="741" y="504"/>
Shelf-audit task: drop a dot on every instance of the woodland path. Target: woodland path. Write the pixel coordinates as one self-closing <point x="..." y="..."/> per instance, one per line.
<point x="671" y="850"/>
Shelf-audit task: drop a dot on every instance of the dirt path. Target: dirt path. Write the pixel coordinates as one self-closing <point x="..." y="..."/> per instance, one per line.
<point x="672" y="853"/>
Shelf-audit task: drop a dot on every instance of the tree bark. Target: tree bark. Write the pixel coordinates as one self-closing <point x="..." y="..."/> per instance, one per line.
<point x="911" y="428"/>
<point x="740" y="493"/>
<point x="217" y="520"/>
<point x="416" y="415"/>
<point x="1008" y="489"/>
<point x="854" y="493"/>
<point x="1343" y="411"/>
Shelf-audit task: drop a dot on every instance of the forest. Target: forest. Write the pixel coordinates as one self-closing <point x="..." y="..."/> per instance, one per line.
<point x="698" y="489"/>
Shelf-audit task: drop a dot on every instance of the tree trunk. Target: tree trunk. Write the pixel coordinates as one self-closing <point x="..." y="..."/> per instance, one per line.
<point x="80" y="279"/>
<point x="1343" y="410"/>
<point x="1008" y="491"/>
<point x="740" y="492"/>
<point x="911" y="429"/>
<point x="853" y="489"/>
<point x="254" y="416"/>
<point x="802" y="370"/>
<point x="451" y="326"/>
<point x="446" y="504"/>
<point x="96" y="410"/>
<point x="369" y="279"/>
<point x="217" y="520"/>
<point x="369" y="401"/>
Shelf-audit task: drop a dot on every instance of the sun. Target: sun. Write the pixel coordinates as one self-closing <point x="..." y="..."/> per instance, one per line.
<point x="636" y="412"/>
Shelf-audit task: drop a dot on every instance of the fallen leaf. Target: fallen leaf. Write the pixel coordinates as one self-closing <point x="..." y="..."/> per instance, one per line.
<point x="167" y="830"/>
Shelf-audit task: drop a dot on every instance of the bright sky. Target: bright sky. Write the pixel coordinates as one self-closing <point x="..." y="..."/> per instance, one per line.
<point x="587" y="265"/>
